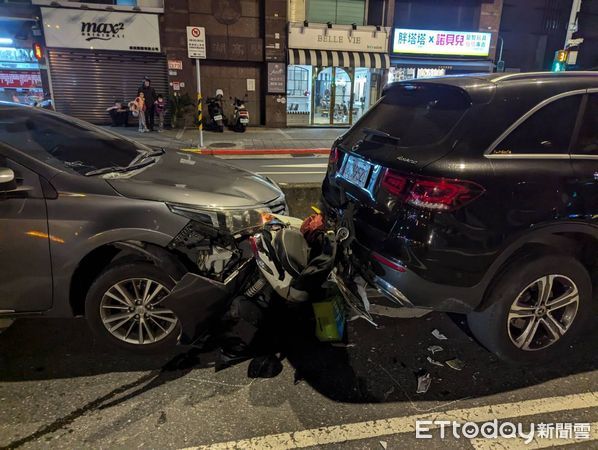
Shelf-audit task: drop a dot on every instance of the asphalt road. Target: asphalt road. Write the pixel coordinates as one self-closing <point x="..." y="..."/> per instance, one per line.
<point x="60" y="389"/>
<point x="285" y="169"/>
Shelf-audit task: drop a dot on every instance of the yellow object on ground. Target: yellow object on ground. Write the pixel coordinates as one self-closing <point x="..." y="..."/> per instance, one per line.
<point x="330" y="319"/>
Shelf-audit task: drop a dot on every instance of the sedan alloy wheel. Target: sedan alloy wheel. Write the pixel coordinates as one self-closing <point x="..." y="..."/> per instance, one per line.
<point x="131" y="312"/>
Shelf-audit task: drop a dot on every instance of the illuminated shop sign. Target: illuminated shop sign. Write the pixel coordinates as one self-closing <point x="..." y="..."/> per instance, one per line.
<point x="438" y="42"/>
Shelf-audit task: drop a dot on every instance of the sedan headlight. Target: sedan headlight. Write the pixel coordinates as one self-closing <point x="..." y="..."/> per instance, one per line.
<point x="231" y="220"/>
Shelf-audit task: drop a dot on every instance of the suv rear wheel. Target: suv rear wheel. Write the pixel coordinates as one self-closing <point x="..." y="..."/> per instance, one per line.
<point x="123" y="308"/>
<point x="537" y="308"/>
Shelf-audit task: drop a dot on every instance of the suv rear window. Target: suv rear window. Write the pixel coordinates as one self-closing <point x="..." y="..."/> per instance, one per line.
<point x="413" y="114"/>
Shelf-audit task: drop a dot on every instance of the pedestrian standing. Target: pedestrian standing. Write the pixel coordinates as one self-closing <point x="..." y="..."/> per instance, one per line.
<point x="150" y="97"/>
<point x="139" y="106"/>
<point x="160" y="106"/>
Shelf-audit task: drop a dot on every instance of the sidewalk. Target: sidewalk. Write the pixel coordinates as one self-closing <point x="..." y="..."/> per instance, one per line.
<point x="253" y="141"/>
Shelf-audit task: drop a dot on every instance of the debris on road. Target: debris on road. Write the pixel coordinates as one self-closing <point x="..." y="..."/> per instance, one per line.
<point x="434" y="362"/>
<point x="384" y="444"/>
<point x="389" y="392"/>
<point x="435" y="349"/>
<point x="438" y="335"/>
<point x="455" y="364"/>
<point x="423" y="383"/>
<point x="343" y="345"/>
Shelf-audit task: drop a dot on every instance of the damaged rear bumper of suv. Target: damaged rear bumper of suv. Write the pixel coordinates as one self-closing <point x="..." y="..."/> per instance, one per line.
<point x="403" y="286"/>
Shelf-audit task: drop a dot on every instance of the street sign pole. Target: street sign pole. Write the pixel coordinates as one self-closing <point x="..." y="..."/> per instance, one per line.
<point x="199" y="107"/>
<point x="196" y="49"/>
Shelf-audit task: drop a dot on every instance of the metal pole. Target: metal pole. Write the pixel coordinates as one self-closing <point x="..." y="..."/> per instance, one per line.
<point x="199" y="109"/>
<point x="572" y="26"/>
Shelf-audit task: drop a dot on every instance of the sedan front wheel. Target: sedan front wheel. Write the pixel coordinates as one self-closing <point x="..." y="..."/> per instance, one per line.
<point x="124" y="308"/>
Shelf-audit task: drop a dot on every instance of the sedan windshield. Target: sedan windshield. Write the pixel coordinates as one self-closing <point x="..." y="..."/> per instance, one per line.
<point x="65" y="142"/>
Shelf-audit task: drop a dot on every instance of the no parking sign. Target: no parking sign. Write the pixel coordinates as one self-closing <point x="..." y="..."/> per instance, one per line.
<point x="196" y="42"/>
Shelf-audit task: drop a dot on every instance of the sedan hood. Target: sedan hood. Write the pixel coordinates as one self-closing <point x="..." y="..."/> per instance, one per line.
<point x="184" y="178"/>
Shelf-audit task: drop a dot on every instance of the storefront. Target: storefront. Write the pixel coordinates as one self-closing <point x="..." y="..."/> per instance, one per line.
<point x="433" y="53"/>
<point x="97" y="57"/>
<point x="334" y="73"/>
<point x="20" y="78"/>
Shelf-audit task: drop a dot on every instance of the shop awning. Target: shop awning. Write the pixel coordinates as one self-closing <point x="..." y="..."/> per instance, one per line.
<point x="330" y="58"/>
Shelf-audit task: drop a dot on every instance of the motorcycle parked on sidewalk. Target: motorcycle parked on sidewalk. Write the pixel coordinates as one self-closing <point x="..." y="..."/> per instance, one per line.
<point x="240" y="118"/>
<point x="215" y="120"/>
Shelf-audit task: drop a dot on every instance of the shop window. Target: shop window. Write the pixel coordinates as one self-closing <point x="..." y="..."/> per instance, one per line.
<point x="547" y="131"/>
<point x="342" y="12"/>
<point x="299" y="94"/>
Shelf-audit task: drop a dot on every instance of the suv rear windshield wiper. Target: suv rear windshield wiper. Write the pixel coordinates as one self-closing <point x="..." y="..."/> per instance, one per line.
<point x="128" y="168"/>
<point x="380" y="134"/>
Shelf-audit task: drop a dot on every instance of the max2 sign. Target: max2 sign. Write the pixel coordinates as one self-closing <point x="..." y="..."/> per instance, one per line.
<point x="101" y="30"/>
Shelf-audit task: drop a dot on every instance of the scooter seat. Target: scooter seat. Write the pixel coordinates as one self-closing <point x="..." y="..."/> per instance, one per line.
<point x="292" y="251"/>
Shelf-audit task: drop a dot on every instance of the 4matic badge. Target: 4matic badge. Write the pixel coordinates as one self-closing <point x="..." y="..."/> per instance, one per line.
<point x="102" y="31"/>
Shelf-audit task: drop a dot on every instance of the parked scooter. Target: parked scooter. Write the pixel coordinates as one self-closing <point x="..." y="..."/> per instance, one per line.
<point x="240" y="117"/>
<point x="215" y="121"/>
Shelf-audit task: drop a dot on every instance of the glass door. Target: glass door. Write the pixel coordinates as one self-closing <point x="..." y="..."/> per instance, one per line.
<point x="322" y="98"/>
<point x="342" y="99"/>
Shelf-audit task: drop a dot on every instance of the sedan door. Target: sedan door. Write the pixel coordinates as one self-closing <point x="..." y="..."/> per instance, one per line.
<point x="25" y="265"/>
<point x="584" y="157"/>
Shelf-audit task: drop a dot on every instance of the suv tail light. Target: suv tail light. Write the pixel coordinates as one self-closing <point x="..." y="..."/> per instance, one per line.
<point x="334" y="154"/>
<point x="436" y="194"/>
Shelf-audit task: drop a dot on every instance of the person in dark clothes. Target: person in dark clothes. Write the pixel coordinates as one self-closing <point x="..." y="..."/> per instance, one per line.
<point x="119" y="114"/>
<point x="150" y="97"/>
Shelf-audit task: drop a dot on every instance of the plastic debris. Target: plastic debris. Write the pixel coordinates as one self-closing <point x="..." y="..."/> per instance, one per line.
<point x="455" y="364"/>
<point x="384" y="444"/>
<point x="438" y="335"/>
<point x="434" y="362"/>
<point x="435" y="349"/>
<point x="423" y="383"/>
<point x="343" y="345"/>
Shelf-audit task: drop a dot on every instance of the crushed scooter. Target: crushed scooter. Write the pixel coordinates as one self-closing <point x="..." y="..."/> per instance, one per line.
<point x="294" y="262"/>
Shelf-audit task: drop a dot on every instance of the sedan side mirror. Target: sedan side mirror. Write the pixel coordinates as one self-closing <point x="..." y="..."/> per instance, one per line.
<point x="8" y="181"/>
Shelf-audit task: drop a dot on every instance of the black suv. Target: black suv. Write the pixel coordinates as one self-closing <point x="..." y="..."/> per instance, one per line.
<point x="479" y="195"/>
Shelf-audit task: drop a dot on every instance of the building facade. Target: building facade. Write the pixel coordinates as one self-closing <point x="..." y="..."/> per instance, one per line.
<point x="337" y="60"/>
<point x="432" y="38"/>
<point x="21" y="72"/>
<point x="533" y="31"/>
<point x="246" y="44"/>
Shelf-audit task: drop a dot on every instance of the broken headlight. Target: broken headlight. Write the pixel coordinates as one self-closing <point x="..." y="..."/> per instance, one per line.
<point x="232" y="221"/>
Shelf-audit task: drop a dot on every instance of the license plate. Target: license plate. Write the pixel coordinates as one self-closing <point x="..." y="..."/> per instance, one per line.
<point x="356" y="171"/>
<point x="218" y="117"/>
<point x="244" y="120"/>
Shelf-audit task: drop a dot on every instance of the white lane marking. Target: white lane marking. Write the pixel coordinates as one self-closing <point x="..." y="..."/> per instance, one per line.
<point x="179" y="135"/>
<point x="386" y="427"/>
<point x="298" y="166"/>
<point x="286" y="135"/>
<point x="292" y="173"/>
<point x="538" y="443"/>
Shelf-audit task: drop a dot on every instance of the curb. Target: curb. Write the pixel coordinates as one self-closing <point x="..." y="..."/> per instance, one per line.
<point x="267" y="151"/>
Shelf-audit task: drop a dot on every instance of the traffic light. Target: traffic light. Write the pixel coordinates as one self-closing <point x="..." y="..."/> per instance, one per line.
<point x="560" y="61"/>
<point x="38" y="51"/>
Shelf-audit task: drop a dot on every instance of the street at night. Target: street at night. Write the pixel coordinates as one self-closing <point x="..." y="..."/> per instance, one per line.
<point x="281" y="224"/>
